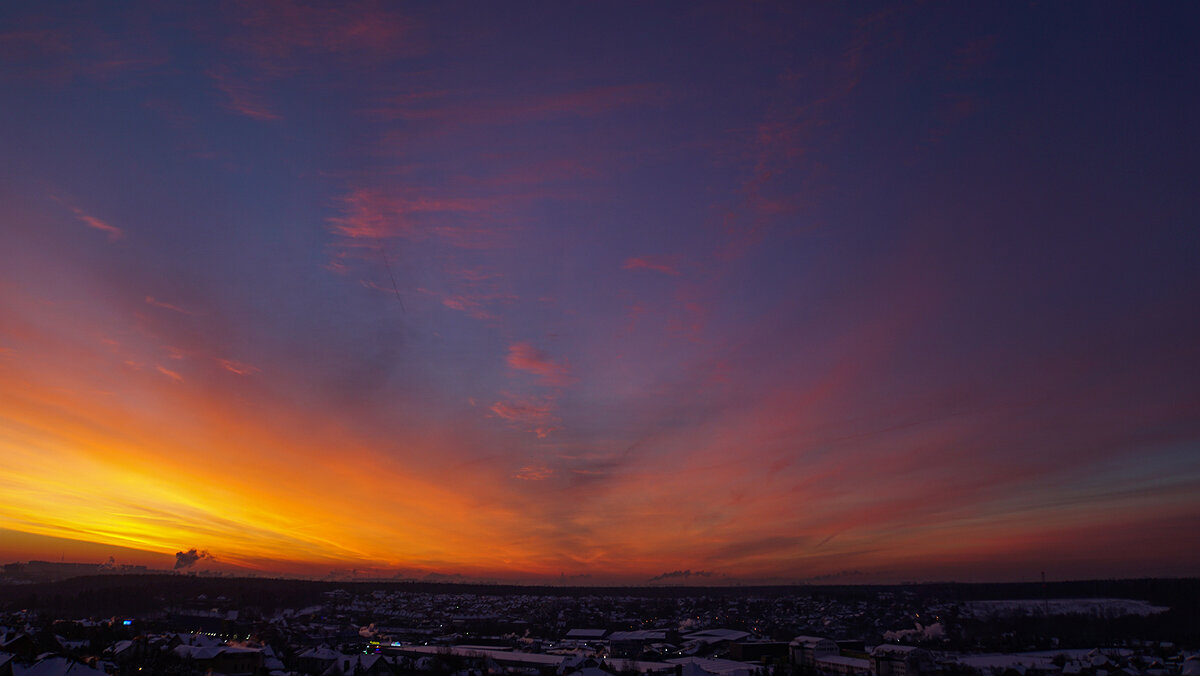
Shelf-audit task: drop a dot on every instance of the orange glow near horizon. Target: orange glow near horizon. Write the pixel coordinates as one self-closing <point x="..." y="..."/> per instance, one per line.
<point x="98" y="451"/>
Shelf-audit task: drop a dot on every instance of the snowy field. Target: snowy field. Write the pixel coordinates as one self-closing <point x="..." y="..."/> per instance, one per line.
<point x="1094" y="607"/>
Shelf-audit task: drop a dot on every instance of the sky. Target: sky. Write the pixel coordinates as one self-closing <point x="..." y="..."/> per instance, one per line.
<point x="671" y="292"/>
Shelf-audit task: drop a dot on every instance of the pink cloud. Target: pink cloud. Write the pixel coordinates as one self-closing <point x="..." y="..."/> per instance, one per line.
<point x="526" y="357"/>
<point x="470" y="306"/>
<point x="237" y="367"/>
<point x="114" y="233"/>
<point x="176" y="352"/>
<point x="62" y="53"/>
<point x="370" y="213"/>
<point x="664" y="264"/>
<point x="169" y="373"/>
<point x="475" y="274"/>
<point x="473" y="301"/>
<point x="788" y="141"/>
<point x="538" y="173"/>
<point x="441" y="107"/>
<point x="242" y="97"/>
<point x="534" y="473"/>
<point x="275" y="33"/>
<point x="523" y="410"/>
<point x="529" y="413"/>
<point x="151" y="300"/>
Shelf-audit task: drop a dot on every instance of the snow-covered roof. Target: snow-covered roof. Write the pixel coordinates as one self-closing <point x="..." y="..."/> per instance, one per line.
<point x="715" y="666"/>
<point x="495" y="654"/>
<point x="809" y="640"/>
<point x="712" y="635"/>
<point x="351" y="664"/>
<point x="895" y="650"/>
<point x="852" y="662"/>
<point x="638" y="635"/>
<point x="208" y="652"/>
<point x="56" y="666"/>
<point x="320" y="653"/>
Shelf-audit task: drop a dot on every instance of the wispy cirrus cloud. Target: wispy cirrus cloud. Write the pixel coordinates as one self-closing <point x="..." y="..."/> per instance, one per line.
<point x="271" y="41"/>
<point x="60" y="48"/>
<point x="151" y="300"/>
<point x="794" y="133"/>
<point x="525" y="410"/>
<point x="173" y="375"/>
<point x="237" y="367"/>
<point x="276" y="34"/>
<point x="477" y="303"/>
<point x="242" y="97"/>
<point x="526" y="357"/>
<point x="533" y="414"/>
<point x="665" y="264"/>
<point x="443" y="107"/>
<point x="375" y="213"/>
<point x="114" y="233"/>
<point x="534" y="473"/>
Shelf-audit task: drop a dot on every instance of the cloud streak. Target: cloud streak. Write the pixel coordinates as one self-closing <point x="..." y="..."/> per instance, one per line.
<point x="151" y="300"/>
<point x="525" y="357"/>
<point x="114" y="233"/>
<point x="666" y="265"/>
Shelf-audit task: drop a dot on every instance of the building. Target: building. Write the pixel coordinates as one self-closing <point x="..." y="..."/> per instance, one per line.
<point x="222" y="659"/>
<point x="806" y="650"/>
<point x="700" y="666"/>
<point x="902" y="660"/>
<point x="631" y="644"/>
<point x="359" y="665"/>
<point x="843" y="666"/>
<point x="586" y="634"/>
<point x="317" y="660"/>
<point x="759" y="651"/>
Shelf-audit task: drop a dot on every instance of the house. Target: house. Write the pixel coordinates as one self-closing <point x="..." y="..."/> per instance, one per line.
<point x="696" y="665"/>
<point x="223" y="659"/>
<point x="316" y="660"/>
<point x="18" y="644"/>
<point x="56" y="666"/>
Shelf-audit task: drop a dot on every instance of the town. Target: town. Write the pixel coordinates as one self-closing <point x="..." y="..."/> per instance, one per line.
<point x="187" y="625"/>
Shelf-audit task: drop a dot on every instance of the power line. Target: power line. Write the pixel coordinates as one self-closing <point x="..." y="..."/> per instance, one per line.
<point x="388" y="266"/>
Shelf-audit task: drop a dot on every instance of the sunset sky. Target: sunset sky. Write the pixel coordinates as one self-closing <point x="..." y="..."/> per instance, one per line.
<point x="601" y="291"/>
